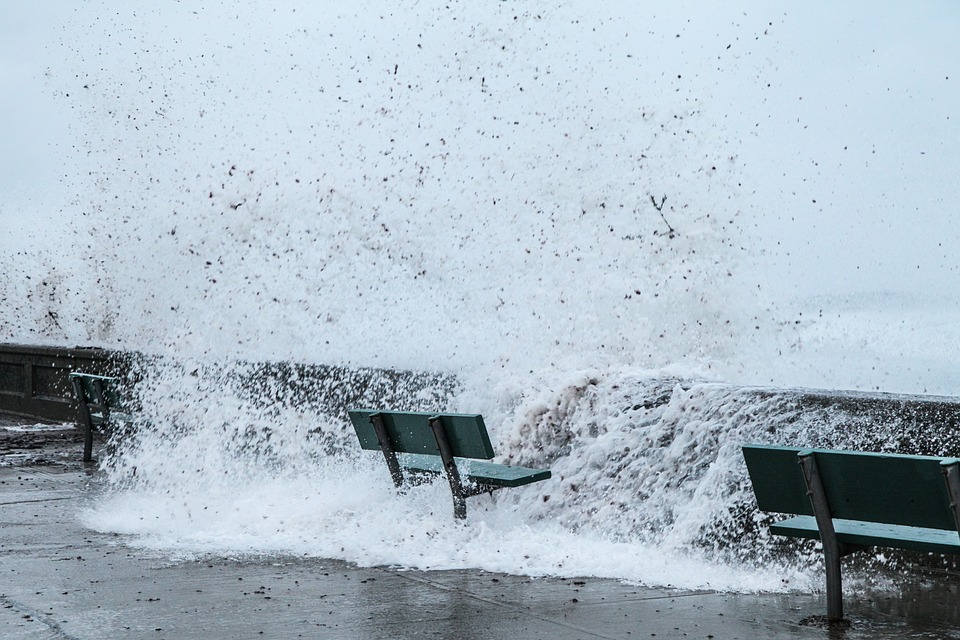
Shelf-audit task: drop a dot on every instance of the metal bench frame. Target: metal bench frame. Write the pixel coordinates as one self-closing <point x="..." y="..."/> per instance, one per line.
<point x="457" y="488"/>
<point x="833" y="547"/>
<point x="416" y="462"/>
<point x="88" y="398"/>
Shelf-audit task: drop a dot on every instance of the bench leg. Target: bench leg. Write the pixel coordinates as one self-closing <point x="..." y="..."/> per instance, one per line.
<point x="832" y="549"/>
<point x="831" y="559"/>
<point x="951" y="474"/>
<point x="453" y="475"/>
<point x="86" y="421"/>
<point x="88" y="443"/>
<point x="389" y="455"/>
<point x="459" y="503"/>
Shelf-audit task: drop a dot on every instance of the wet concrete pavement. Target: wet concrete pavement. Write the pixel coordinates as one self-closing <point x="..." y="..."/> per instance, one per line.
<point x="59" y="580"/>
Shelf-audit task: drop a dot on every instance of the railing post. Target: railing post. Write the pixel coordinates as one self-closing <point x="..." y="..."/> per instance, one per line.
<point x="828" y="536"/>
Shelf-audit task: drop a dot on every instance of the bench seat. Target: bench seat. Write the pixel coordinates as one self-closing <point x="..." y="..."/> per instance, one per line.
<point x="475" y="471"/>
<point x="115" y="418"/>
<point x="873" y="534"/>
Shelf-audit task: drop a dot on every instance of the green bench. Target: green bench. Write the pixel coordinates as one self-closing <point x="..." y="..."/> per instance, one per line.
<point x="100" y="406"/>
<point x="429" y="444"/>
<point x="852" y="501"/>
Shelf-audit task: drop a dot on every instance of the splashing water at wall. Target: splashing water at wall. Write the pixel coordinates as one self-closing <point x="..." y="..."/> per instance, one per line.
<point x="647" y="483"/>
<point x="564" y="213"/>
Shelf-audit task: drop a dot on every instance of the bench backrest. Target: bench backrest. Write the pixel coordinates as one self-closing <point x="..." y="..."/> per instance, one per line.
<point x="872" y="487"/>
<point x="410" y="432"/>
<point x="87" y="387"/>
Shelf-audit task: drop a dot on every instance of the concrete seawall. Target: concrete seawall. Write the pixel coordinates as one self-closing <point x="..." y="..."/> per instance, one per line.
<point x="34" y="382"/>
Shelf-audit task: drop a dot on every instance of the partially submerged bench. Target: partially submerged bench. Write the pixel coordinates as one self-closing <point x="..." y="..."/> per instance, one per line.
<point x="453" y="444"/>
<point x="851" y="501"/>
<point x="100" y="406"/>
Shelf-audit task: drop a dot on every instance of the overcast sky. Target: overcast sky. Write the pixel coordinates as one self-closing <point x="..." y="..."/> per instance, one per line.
<point x="844" y="120"/>
<point x="34" y="137"/>
<point x="891" y="90"/>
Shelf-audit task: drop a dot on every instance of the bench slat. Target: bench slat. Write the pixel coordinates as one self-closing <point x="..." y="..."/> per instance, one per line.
<point x="477" y="471"/>
<point x="873" y="487"/>
<point x="116" y="418"/>
<point x="109" y="386"/>
<point x="777" y="479"/>
<point x="893" y="489"/>
<point x="410" y="432"/>
<point x="871" y="534"/>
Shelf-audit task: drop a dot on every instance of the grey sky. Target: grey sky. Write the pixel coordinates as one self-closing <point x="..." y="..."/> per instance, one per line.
<point x="33" y="127"/>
